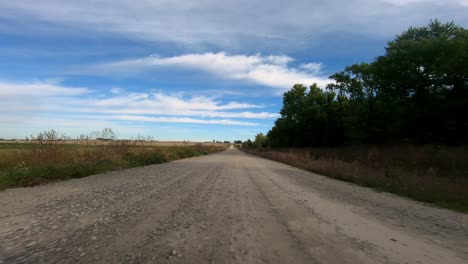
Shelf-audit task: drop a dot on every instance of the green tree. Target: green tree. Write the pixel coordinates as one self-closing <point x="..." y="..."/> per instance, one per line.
<point x="416" y="92"/>
<point x="357" y="90"/>
<point x="247" y="144"/>
<point x="423" y="76"/>
<point x="309" y="117"/>
<point x="261" y="141"/>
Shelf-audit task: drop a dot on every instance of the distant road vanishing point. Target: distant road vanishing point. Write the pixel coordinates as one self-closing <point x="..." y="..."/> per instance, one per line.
<point x="228" y="207"/>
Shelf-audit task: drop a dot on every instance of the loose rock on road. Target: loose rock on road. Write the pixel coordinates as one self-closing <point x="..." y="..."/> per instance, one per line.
<point x="228" y="207"/>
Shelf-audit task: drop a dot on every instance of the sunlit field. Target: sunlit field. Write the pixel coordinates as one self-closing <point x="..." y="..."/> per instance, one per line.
<point x="28" y="163"/>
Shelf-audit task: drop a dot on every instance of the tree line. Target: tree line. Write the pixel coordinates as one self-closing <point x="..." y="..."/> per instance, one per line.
<point x="415" y="93"/>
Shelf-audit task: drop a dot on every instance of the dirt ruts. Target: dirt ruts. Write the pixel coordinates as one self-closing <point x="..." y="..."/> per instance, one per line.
<point x="228" y="207"/>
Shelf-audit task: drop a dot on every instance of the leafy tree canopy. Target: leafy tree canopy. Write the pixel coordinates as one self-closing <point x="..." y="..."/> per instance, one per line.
<point x="415" y="92"/>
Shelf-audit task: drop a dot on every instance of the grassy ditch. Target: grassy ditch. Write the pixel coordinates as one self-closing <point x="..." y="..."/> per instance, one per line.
<point x="432" y="174"/>
<point x="29" y="164"/>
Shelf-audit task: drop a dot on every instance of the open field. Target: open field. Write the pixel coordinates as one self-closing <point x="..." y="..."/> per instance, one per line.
<point x="27" y="164"/>
<point x="103" y="142"/>
<point x="434" y="174"/>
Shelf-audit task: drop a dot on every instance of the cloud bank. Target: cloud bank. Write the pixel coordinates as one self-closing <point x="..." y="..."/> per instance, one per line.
<point x="24" y="101"/>
<point x="237" y="23"/>
<point x="272" y="71"/>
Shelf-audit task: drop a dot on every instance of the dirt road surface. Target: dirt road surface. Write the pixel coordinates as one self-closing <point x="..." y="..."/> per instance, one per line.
<point x="228" y="207"/>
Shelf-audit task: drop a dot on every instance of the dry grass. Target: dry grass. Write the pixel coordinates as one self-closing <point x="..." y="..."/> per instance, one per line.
<point x="117" y="142"/>
<point x="27" y="164"/>
<point x="433" y="174"/>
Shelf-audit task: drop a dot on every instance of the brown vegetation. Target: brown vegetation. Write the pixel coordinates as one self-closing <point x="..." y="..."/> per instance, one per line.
<point x="41" y="161"/>
<point x="435" y="174"/>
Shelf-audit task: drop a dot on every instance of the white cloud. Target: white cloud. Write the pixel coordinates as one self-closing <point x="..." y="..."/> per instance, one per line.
<point x="463" y="2"/>
<point x="312" y="67"/>
<point x="235" y="23"/>
<point x="38" y="99"/>
<point x="116" y="90"/>
<point x="428" y="2"/>
<point x="402" y="2"/>
<point x="99" y="121"/>
<point x="164" y="104"/>
<point x="273" y="71"/>
<point x="184" y="120"/>
<point x="8" y="89"/>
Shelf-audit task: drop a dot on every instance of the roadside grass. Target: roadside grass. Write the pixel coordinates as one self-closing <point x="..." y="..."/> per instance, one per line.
<point x="431" y="174"/>
<point x="29" y="164"/>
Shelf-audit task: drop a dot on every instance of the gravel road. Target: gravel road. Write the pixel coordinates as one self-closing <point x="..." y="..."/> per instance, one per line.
<point x="228" y="207"/>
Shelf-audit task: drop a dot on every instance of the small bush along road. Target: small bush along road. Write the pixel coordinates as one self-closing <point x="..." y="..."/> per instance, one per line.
<point x="432" y="174"/>
<point x="29" y="164"/>
<point x="227" y="207"/>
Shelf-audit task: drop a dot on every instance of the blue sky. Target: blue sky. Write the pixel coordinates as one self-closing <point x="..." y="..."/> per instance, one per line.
<point x="183" y="71"/>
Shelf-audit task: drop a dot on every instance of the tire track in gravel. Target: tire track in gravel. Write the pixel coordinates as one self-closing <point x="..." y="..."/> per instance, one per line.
<point x="89" y="202"/>
<point x="86" y="208"/>
<point x="111" y="224"/>
<point x="302" y="226"/>
<point x="289" y="248"/>
<point x="342" y="229"/>
<point x="185" y="220"/>
<point x="228" y="207"/>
